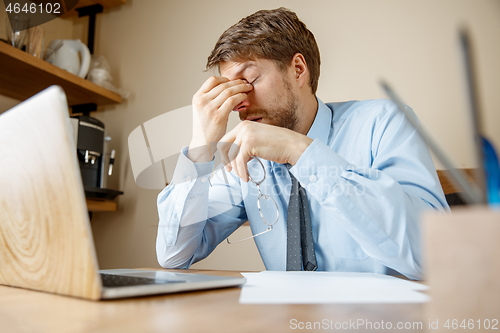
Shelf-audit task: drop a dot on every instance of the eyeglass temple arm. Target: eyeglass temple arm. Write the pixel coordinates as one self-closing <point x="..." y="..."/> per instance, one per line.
<point x="269" y="228"/>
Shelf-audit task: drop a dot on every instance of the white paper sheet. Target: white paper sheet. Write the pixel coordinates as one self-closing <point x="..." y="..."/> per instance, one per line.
<point x="328" y="287"/>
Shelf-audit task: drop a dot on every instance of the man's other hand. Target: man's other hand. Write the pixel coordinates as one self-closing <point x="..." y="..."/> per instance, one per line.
<point x="269" y="142"/>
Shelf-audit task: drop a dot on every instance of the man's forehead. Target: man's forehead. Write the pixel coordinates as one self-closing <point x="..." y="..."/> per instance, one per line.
<point x="236" y="67"/>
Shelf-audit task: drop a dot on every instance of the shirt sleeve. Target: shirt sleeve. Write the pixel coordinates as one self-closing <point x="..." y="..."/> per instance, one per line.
<point x="196" y="212"/>
<point x="378" y="205"/>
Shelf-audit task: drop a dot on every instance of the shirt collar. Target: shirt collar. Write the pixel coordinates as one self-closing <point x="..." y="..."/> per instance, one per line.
<point x="322" y="124"/>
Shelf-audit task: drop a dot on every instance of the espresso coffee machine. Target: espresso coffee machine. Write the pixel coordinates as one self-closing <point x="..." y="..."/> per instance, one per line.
<point x="95" y="164"/>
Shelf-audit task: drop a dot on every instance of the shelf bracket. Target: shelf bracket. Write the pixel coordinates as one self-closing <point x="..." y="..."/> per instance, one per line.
<point x="85" y="109"/>
<point x="91" y="12"/>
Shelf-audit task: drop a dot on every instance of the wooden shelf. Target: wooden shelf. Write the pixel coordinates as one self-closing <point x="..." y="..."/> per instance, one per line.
<point x="104" y="3"/>
<point x="23" y="75"/>
<point x="85" y="3"/>
<point x="95" y="205"/>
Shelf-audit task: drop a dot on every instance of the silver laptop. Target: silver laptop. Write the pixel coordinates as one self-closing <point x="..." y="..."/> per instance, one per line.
<point x="45" y="238"/>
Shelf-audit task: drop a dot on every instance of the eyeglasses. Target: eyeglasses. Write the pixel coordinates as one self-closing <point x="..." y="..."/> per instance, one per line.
<point x="260" y="200"/>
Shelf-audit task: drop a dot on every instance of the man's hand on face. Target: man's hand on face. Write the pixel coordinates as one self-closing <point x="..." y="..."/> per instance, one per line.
<point x="212" y="104"/>
<point x="269" y="142"/>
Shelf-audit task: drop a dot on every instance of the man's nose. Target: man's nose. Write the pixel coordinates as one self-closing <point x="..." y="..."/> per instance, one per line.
<point x="242" y="106"/>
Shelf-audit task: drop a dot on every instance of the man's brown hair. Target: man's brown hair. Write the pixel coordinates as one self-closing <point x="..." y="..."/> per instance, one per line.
<point x="276" y="34"/>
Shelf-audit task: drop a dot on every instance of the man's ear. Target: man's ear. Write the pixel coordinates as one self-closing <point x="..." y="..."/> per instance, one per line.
<point x="300" y="70"/>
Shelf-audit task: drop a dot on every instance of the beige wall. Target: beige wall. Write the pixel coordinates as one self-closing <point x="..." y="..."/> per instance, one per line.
<point x="157" y="50"/>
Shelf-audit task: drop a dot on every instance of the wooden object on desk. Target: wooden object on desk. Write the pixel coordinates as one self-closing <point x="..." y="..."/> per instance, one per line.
<point x="198" y="311"/>
<point x="45" y="239"/>
<point x="462" y="266"/>
<point x="447" y="183"/>
<point x="23" y="75"/>
<point x="96" y="205"/>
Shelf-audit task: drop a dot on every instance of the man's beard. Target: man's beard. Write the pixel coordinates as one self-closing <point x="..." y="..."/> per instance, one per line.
<point x="284" y="115"/>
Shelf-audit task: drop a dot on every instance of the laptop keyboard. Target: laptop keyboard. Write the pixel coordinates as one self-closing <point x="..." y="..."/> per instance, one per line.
<point x="111" y="280"/>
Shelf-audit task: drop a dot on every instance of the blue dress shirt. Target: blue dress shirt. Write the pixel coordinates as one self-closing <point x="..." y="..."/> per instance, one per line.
<point x="368" y="176"/>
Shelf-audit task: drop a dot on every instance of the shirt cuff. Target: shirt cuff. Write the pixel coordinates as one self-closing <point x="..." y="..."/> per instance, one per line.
<point x="188" y="171"/>
<point x="319" y="168"/>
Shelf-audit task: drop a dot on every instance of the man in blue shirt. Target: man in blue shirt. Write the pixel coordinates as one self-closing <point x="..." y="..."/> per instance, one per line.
<point x="366" y="172"/>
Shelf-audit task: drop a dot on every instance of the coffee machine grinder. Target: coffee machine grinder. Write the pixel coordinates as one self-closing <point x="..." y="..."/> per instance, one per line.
<point x="90" y="144"/>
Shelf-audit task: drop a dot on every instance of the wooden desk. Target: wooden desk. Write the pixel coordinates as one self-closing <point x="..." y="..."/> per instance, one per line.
<point x="204" y="311"/>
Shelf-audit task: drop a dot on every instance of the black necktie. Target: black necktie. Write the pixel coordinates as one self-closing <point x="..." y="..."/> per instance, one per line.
<point x="300" y="243"/>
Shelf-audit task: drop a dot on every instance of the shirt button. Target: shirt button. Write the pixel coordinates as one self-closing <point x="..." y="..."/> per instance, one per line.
<point x="203" y="180"/>
<point x="312" y="178"/>
<point x="188" y="178"/>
